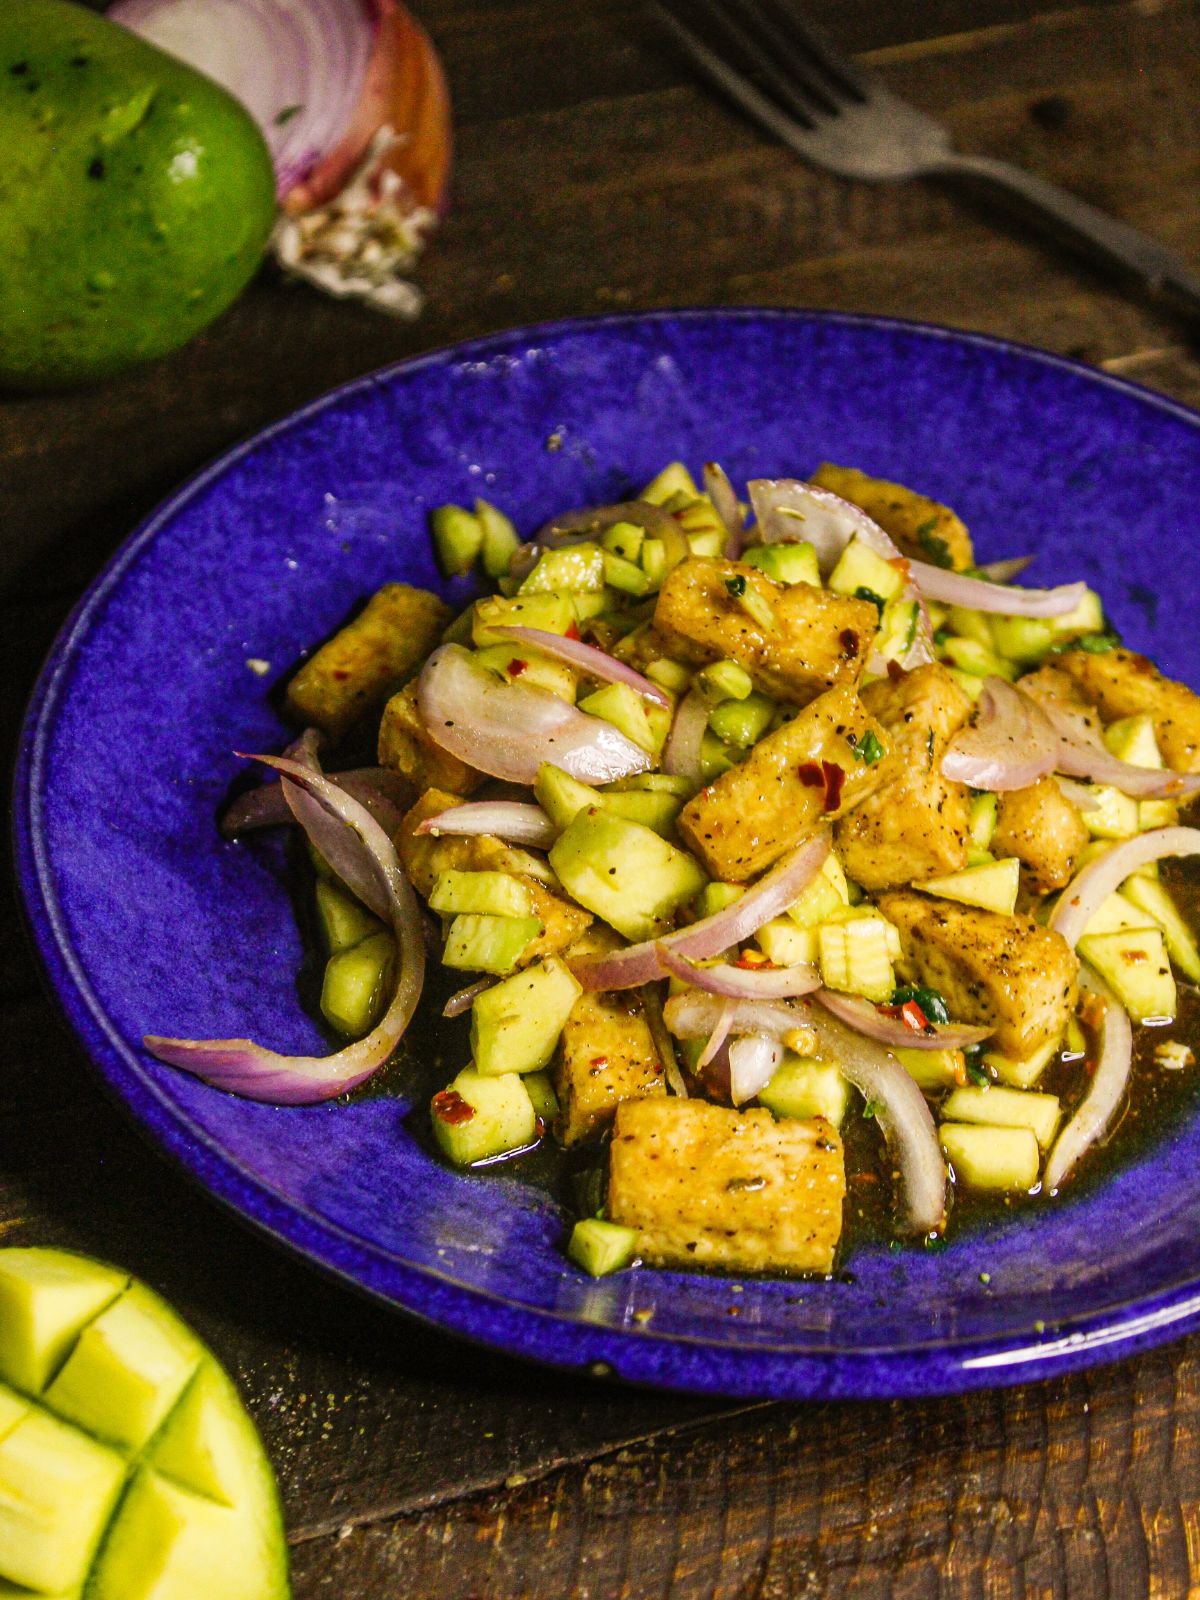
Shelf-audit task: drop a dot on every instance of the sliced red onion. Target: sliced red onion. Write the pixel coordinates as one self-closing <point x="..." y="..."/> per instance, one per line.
<point x="1010" y="745"/>
<point x="663" y="1043"/>
<point x="510" y="820"/>
<point x="510" y="729"/>
<point x="768" y="898"/>
<point x="1080" y="796"/>
<point x="385" y="794"/>
<point x="1080" y="757"/>
<point x="718" y="1036"/>
<point x="681" y="753"/>
<point x="724" y="498"/>
<point x="695" y="1015"/>
<point x="740" y="983"/>
<point x="298" y="66"/>
<point x="596" y="663"/>
<point x="1106" y="1091"/>
<point x="248" y="1069"/>
<point x="340" y="846"/>
<point x="868" y="1020"/>
<point x="957" y="589"/>
<point x="789" y="510"/>
<point x="753" y="1062"/>
<point x="463" y="999"/>
<point x="900" y="1110"/>
<point x="1004" y="571"/>
<point x="1088" y="891"/>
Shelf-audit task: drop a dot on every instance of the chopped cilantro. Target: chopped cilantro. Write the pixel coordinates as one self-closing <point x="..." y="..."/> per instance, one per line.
<point x="936" y="549"/>
<point x="940" y="635"/>
<point x="870" y="1108"/>
<point x="914" y="618"/>
<point x="929" y="1000"/>
<point x="736" y="586"/>
<point x="978" y="1075"/>
<point x="868" y="750"/>
<point x="877" y="600"/>
<point x="1096" y="644"/>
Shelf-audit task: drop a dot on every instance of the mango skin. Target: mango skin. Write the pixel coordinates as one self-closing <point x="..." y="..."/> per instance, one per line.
<point x="136" y="197"/>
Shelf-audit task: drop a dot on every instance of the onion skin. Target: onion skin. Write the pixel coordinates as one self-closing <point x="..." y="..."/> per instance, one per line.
<point x="405" y="89"/>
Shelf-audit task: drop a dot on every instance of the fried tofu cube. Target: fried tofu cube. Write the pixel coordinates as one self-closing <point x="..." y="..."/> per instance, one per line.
<point x="606" y="1055"/>
<point x="750" y="815"/>
<point x="358" y="668"/>
<point x="1123" y="684"/>
<point x="405" y="746"/>
<point x="818" y="640"/>
<point x="916" y="823"/>
<point x="923" y="528"/>
<point x="705" y="1185"/>
<point x="423" y="856"/>
<point x="1041" y="827"/>
<point x="1001" y="972"/>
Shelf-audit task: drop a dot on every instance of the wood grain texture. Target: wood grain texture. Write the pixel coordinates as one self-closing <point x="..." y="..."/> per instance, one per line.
<point x="594" y="175"/>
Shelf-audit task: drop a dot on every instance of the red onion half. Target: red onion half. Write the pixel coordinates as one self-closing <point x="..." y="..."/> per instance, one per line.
<point x="385" y="794"/>
<point x="509" y="729"/>
<point x="1010" y="745"/>
<point x="768" y="898"/>
<point x="510" y="820"/>
<point x="681" y="753"/>
<point x="1109" y="1082"/>
<point x="245" y="1068"/>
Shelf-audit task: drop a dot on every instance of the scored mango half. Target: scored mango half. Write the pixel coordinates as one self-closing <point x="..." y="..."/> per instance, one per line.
<point x="129" y="1469"/>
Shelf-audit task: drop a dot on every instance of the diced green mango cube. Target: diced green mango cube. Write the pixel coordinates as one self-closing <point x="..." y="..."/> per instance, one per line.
<point x="1151" y="898"/>
<point x="726" y="680"/>
<point x="1021" y="639"/>
<point x="991" y="1158"/>
<point x="625" y="576"/>
<point x="970" y="623"/>
<point x="601" y="1247"/>
<point x="898" y="629"/>
<point x="343" y="919"/>
<point x="931" y="1069"/>
<point x="625" y="709"/>
<point x="783" y="943"/>
<point x="825" y="895"/>
<point x="457" y="538"/>
<point x="126" y="1370"/>
<point x="673" y="479"/>
<point x="1134" y="962"/>
<point x="625" y="873"/>
<point x="1112" y="815"/>
<point x="515" y="1024"/>
<point x="1021" y="1073"/>
<point x="1005" y="1108"/>
<point x="671" y="675"/>
<point x="540" y="1089"/>
<point x="552" y="613"/>
<point x="804" y="1088"/>
<point x="624" y="539"/>
<point x="574" y="567"/>
<point x="742" y="722"/>
<point x="984" y="811"/>
<point x="501" y="1117"/>
<point x="518" y="663"/>
<point x="46" y="1298"/>
<point x="1087" y="617"/>
<point x="859" y="567"/>
<point x="496" y="894"/>
<point x="1117" y="912"/>
<point x="978" y="660"/>
<point x="357" y="985"/>
<point x="716" y="897"/>
<point x="993" y="885"/>
<point x="500" y="539"/>
<point x="1133" y="739"/>
<point x="481" y="943"/>
<point x="786" y="563"/>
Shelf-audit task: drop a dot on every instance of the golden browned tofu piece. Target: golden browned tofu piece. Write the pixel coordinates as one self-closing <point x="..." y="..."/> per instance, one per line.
<point x="424" y="855"/>
<point x="819" y="639"/>
<point x="916" y="823"/>
<point x="406" y="747"/>
<point x="705" y="1185"/>
<point x="1000" y="972"/>
<point x="923" y="528"/>
<point x="1041" y="827"/>
<point x="1055" y="690"/>
<point x="358" y="668"/>
<point x="751" y="814"/>
<point x="605" y="1055"/>
<point x="1123" y="684"/>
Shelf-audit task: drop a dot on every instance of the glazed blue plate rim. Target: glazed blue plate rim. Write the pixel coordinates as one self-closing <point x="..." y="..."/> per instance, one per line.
<point x="640" y="1355"/>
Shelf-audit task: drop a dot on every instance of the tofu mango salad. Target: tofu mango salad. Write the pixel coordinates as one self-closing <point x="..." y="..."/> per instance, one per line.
<point x="754" y="829"/>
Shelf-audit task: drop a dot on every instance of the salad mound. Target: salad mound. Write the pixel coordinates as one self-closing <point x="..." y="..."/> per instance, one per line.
<point x="739" y="820"/>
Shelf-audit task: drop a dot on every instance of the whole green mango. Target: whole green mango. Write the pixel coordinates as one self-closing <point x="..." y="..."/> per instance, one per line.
<point x="136" y="197"/>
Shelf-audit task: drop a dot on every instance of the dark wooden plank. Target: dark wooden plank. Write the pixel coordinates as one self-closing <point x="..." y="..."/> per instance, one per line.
<point x="1084" y="1487"/>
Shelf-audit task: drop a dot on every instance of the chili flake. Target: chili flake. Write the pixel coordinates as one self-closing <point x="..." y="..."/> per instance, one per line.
<point x="449" y="1106"/>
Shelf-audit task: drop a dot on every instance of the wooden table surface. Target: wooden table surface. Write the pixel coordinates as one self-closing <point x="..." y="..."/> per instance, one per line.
<point x="593" y="174"/>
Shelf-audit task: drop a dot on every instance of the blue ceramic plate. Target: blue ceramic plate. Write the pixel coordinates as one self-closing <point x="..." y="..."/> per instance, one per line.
<point x="147" y="921"/>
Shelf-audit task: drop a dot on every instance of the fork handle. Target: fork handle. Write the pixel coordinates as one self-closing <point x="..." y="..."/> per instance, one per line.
<point x="1076" y="223"/>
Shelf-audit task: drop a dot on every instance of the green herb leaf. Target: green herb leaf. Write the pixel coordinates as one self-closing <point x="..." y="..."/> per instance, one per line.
<point x="929" y="1000"/>
<point x="877" y="600"/>
<point x="936" y="549"/>
<point x="736" y="586"/>
<point x="868" y="750"/>
<point x="1096" y="644"/>
<point x="869" y="1110"/>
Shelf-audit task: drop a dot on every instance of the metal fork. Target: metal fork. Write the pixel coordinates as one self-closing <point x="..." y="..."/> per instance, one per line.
<point x="786" y="75"/>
